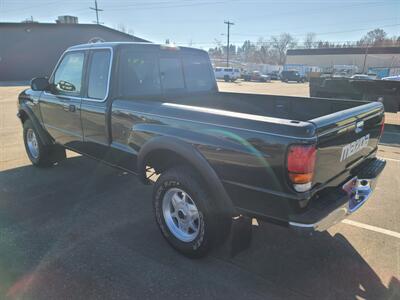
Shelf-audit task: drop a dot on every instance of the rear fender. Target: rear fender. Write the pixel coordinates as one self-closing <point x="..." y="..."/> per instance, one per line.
<point x="196" y="159"/>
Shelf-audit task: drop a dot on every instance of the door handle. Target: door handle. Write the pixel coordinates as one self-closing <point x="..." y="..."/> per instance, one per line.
<point x="69" y="107"/>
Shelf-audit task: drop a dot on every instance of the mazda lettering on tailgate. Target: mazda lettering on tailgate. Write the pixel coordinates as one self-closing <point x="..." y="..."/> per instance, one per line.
<point x="354" y="147"/>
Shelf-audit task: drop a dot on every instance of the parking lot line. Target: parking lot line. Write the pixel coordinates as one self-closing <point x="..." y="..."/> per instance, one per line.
<point x="372" y="228"/>
<point x="390" y="159"/>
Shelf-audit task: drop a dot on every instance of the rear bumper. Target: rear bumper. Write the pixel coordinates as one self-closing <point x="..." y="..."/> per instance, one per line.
<point x="340" y="202"/>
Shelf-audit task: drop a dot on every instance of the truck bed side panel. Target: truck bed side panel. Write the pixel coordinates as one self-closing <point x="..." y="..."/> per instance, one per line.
<point x="249" y="160"/>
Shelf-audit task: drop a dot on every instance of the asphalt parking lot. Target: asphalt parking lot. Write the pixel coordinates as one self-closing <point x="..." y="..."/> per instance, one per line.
<point x="82" y="230"/>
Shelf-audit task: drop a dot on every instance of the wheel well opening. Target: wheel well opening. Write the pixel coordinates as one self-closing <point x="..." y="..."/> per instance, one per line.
<point x="23" y="116"/>
<point x="158" y="161"/>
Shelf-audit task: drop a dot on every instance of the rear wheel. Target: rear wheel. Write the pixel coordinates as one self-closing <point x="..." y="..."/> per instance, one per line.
<point x="186" y="213"/>
<point x="39" y="154"/>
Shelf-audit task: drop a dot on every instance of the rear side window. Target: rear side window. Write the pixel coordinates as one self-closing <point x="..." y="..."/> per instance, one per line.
<point x="228" y="70"/>
<point x="68" y="76"/>
<point x="171" y="74"/>
<point x="98" y="74"/>
<point x="198" y="73"/>
<point x="156" y="73"/>
<point x="138" y="74"/>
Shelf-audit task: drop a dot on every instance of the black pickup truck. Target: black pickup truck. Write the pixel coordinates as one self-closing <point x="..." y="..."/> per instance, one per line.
<point x="153" y="110"/>
<point x="385" y="91"/>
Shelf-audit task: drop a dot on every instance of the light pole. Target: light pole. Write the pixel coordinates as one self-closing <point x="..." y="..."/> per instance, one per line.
<point x="365" y="58"/>
<point x="229" y="24"/>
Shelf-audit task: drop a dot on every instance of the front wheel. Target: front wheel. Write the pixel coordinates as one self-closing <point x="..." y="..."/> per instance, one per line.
<point x="185" y="212"/>
<point x="39" y="154"/>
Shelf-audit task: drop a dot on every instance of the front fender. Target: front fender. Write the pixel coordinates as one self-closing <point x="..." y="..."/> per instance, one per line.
<point x="24" y="111"/>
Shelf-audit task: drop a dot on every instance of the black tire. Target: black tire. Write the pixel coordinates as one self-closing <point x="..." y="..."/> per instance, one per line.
<point x="210" y="226"/>
<point x="43" y="155"/>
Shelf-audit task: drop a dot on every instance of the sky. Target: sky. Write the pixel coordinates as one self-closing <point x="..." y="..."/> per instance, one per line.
<point x="201" y="23"/>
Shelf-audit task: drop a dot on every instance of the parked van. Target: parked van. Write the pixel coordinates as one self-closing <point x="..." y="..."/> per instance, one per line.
<point x="227" y="74"/>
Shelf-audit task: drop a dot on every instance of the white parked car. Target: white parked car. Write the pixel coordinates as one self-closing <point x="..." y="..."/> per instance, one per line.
<point x="227" y="74"/>
<point x="393" y="78"/>
<point x="362" y="77"/>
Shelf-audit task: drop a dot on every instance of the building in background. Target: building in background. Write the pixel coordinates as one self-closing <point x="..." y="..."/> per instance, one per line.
<point x="32" y="49"/>
<point x="363" y="58"/>
<point x="67" y="20"/>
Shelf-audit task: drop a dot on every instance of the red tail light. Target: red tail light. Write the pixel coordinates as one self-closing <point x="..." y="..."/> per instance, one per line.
<point x="300" y="165"/>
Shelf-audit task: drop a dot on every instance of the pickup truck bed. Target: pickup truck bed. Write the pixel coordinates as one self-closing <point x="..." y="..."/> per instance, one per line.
<point x="247" y="136"/>
<point x="156" y="111"/>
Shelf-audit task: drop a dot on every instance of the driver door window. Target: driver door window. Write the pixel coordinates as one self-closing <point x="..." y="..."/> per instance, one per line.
<point x="68" y="77"/>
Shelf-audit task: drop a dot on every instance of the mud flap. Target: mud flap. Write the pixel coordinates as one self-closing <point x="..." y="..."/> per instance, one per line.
<point x="57" y="153"/>
<point x="240" y="235"/>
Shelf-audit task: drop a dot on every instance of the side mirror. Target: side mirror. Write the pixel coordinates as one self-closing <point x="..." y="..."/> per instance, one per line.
<point x="39" y="83"/>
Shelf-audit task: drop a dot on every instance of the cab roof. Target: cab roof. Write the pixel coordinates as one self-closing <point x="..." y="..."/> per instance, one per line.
<point x="139" y="45"/>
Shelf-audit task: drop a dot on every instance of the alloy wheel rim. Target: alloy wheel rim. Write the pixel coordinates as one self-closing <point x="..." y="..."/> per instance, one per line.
<point x="181" y="214"/>
<point x="32" y="143"/>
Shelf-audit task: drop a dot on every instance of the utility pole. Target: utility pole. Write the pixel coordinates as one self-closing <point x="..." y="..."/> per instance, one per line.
<point x="95" y="8"/>
<point x="229" y="24"/>
<point x="365" y="59"/>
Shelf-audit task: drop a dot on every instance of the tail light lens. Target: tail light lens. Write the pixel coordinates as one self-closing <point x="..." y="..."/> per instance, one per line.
<point x="300" y="165"/>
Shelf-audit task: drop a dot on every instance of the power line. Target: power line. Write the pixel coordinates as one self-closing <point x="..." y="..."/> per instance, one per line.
<point x="229" y="24"/>
<point x="279" y="30"/>
<point x="95" y="8"/>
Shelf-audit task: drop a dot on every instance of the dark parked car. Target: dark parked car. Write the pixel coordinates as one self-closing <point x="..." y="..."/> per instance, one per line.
<point x="256" y="76"/>
<point x="275" y="75"/>
<point x="287" y="76"/>
<point x="155" y="111"/>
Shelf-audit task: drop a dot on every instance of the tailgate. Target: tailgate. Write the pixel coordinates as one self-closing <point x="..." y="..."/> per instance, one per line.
<point x="345" y="139"/>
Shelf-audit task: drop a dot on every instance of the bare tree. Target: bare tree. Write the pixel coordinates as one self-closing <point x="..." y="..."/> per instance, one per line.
<point x="247" y="52"/>
<point x="374" y="37"/>
<point x="123" y="28"/>
<point x="309" y="40"/>
<point x="262" y="51"/>
<point x="281" y="44"/>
